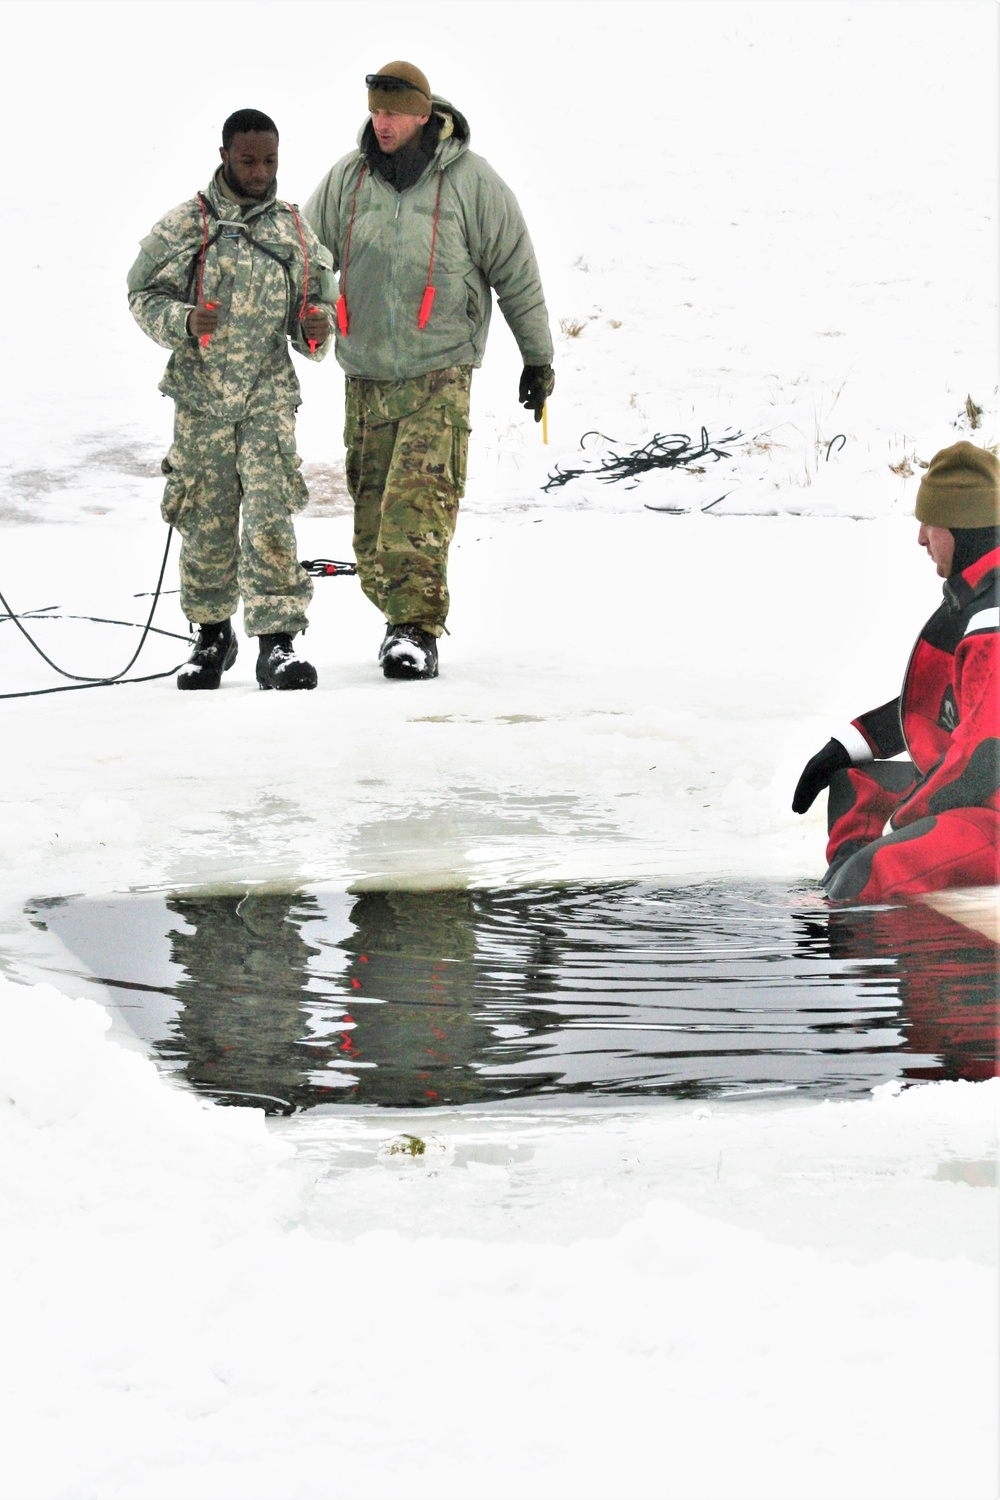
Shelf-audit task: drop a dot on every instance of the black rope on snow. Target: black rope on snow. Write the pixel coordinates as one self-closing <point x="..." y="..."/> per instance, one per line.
<point x="664" y="451"/>
<point x="43" y="614"/>
<point x="78" y="681"/>
<point x="79" y="687"/>
<point x="841" y="439"/>
<point x="320" y="567"/>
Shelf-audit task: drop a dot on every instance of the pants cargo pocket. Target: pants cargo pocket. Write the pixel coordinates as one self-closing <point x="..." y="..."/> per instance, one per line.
<point x="460" y="430"/>
<point x="177" y="501"/>
<point x="354" y="441"/>
<point x="296" y="489"/>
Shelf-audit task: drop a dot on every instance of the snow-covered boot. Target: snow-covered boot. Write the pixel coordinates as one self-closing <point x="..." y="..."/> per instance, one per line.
<point x="279" y="667"/>
<point x="409" y="651"/>
<point x="214" y="652"/>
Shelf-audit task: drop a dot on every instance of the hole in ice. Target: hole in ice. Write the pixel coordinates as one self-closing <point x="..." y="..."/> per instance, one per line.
<point x="291" y="999"/>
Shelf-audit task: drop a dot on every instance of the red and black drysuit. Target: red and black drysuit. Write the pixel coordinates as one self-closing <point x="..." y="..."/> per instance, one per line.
<point x="943" y="804"/>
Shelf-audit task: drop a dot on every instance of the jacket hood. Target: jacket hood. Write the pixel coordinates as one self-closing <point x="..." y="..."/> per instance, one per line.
<point x="455" y="132"/>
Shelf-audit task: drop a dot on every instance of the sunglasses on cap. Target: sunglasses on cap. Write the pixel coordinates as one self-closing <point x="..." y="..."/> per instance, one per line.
<point x="390" y="85"/>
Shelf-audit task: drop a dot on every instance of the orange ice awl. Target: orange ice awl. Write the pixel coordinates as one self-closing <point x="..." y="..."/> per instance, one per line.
<point x="427" y="302"/>
<point x="206" y="336"/>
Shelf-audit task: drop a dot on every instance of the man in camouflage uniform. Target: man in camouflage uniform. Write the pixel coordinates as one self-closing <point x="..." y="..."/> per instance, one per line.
<point x="421" y="231"/>
<point x="225" y="281"/>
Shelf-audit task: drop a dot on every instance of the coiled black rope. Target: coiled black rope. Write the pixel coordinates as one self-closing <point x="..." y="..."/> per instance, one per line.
<point x="664" y="451"/>
<point x="317" y="567"/>
<point x="78" y="682"/>
<point x="326" y="567"/>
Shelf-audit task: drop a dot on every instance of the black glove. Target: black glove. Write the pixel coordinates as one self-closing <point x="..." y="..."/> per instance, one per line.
<point x="819" y="772"/>
<point x="537" y="384"/>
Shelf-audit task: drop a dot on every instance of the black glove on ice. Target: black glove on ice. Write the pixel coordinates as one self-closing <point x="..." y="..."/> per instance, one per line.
<point x="537" y="384"/>
<point x="819" y="772"/>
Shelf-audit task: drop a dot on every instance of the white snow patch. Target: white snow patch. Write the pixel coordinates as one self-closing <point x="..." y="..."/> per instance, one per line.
<point x="195" y="1310"/>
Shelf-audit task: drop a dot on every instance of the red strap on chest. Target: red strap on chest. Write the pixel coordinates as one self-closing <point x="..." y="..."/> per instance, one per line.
<point x="343" y="321"/>
<point x="427" y="301"/>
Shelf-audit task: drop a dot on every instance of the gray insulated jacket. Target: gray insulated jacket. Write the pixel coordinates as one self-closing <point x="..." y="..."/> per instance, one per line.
<point x="252" y="264"/>
<point x="482" y="243"/>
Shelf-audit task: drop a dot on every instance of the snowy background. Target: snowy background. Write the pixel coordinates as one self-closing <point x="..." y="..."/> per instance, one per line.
<point x="777" y="220"/>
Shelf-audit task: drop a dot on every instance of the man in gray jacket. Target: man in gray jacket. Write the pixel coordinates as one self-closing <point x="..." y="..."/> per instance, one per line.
<point x="421" y="231"/>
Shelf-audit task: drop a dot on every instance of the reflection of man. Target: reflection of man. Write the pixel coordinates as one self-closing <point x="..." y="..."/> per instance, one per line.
<point x="943" y="803"/>
<point x="420" y="230"/>
<point x="413" y="984"/>
<point x="946" y="978"/>
<point x="439" y="982"/>
<point x="225" y="281"/>
<point x="243" y="1030"/>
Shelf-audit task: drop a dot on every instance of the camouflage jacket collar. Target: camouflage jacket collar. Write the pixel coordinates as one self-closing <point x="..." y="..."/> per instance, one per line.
<point x="225" y="207"/>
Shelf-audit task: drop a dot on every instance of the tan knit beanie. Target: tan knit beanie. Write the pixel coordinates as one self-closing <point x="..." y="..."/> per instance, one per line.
<point x="961" y="489"/>
<point x="401" y="87"/>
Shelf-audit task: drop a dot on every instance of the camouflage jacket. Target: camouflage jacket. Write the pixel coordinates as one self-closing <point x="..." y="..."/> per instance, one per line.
<point x="481" y="243"/>
<point x="252" y="263"/>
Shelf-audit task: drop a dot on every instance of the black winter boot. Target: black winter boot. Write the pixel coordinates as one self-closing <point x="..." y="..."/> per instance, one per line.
<point x="409" y="651"/>
<point x="214" y="652"/>
<point x="279" y="667"/>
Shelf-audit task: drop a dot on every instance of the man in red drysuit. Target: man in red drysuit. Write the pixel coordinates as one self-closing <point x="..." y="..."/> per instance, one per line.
<point x="942" y="804"/>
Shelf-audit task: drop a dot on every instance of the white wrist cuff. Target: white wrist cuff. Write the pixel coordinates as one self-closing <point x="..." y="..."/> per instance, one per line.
<point x="855" y="744"/>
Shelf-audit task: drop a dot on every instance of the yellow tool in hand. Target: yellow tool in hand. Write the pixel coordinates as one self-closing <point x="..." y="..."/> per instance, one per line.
<point x="545" y="423"/>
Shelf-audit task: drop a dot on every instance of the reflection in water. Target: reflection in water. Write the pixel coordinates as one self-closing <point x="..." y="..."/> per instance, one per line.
<point x="244" y="965"/>
<point x="402" y="998"/>
<point x="947" y="984"/>
<point x="413" y="978"/>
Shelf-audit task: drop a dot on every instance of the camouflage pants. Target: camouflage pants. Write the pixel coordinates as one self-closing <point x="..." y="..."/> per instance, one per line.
<point x="216" y="470"/>
<point x="407" y="447"/>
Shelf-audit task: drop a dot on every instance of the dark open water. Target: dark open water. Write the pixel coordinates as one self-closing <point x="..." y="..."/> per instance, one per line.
<point x="399" y="998"/>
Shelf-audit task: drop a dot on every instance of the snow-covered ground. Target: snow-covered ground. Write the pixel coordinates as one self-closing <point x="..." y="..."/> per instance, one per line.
<point x="640" y="1302"/>
<point x="773" y="220"/>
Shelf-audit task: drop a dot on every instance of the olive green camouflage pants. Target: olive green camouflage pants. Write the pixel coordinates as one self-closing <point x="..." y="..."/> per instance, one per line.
<point x="407" y="447"/>
<point x="216" y="471"/>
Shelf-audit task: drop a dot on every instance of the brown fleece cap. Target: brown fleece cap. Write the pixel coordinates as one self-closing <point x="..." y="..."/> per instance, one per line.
<point x="405" y="91"/>
<point x="961" y="489"/>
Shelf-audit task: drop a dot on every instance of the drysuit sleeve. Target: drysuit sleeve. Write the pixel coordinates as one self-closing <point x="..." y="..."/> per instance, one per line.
<point x="968" y="774"/>
<point x="881" y="731"/>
